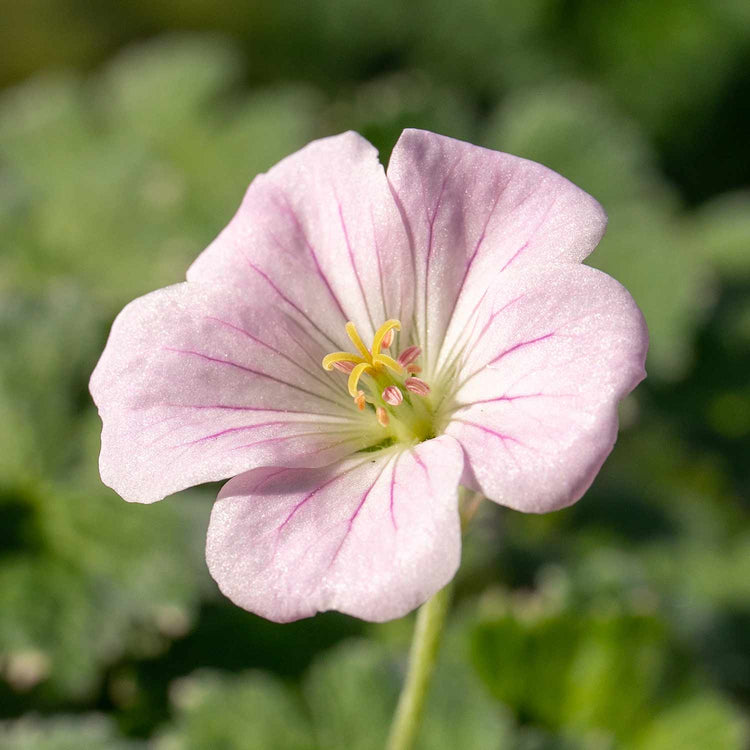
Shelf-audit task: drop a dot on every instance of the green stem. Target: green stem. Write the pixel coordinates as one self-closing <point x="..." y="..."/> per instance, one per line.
<point x="428" y="633"/>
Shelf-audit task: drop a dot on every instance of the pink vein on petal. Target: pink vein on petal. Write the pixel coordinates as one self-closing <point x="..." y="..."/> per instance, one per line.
<point x="351" y="259"/>
<point x="279" y="439"/>
<point x="469" y="338"/>
<point x="421" y="464"/>
<point x="249" y="335"/>
<point x="393" y="485"/>
<point x="520" y="345"/>
<point x="500" y="356"/>
<point x="502" y="436"/>
<point x="516" y="254"/>
<point x="430" y="237"/>
<point x="260" y="342"/>
<point x="248" y="370"/>
<point x="380" y="264"/>
<point x="492" y="317"/>
<point x="531" y="236"/>
<point x="462" y="338"/>
<point x="315" y="492"/>
<point x="295" y="219"/>
<point x="271" y="475"/>
<point x="228" y="407"/>
<point x="477" y="246"/>
<point x="355" y="514"/>
<point x="520" y="396"/>
<point x="315" y="361"/>
<point x="289" y="302"/>
<point x="230" y="430"/>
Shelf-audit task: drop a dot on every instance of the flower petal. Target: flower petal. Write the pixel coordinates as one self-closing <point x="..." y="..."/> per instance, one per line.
<point x="552" y="352"/>
<point x="473" y="213"/>
<point x="374" y="536"/>
<point x="197" y="385"/>
<point x="316" y="236"/>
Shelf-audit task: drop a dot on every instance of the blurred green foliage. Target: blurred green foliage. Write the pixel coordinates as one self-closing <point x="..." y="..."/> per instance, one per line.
<point x="621" y="623"/>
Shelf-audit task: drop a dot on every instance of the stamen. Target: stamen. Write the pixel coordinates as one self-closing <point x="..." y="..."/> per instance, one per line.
<point x="387" y="328"/>
<point x="355" y="375"/>
<point x="392" y="395"/>
<point x="389" y="362"/>
<point x="388" y="382"/>
<point x="330" y="360"/>
<point x="351" y="331"/>
<point x="417" y="385"/>
<point x="409" y="355"/>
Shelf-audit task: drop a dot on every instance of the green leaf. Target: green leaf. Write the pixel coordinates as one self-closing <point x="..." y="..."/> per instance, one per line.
<point x="101" y="572"/>
<point x="142" y="164"/>
<point x="92" y="732"/>
<point x="50" y="345"/>
<point x="722" y="230"/>
<point x="352" y="692"/>
<point x="704" y="721"/>
<point x="620" y="668"/>
<point x="155" y="87"/>
<point x="645" y="54"/>
<point x="353" y="689"/>
<point x="252" y="711"/>
<point x="574" y="673"/>
<point x="526" y="664"/>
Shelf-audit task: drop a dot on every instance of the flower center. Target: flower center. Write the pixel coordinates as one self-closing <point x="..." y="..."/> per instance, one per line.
<point x="400" y="399"/>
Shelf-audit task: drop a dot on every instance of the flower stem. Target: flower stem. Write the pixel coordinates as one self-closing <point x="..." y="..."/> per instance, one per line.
<point x="428" y="633"/>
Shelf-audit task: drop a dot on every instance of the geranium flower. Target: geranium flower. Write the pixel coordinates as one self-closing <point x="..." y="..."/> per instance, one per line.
<point x="351" y="348"/>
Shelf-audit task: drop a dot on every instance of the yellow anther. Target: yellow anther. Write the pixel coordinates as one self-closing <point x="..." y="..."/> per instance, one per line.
<point x="382" y="416"/>
<point x="355" y="375"/>
<point x="385" y="361"/>
<point x="351" y="331"/>
<point x="382" y="332"/>
<point x="329" y="359"/>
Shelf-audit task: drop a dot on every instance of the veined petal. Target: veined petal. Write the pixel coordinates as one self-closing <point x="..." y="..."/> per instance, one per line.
<point x="473" y="214"/>
<point x="196" y="384"/>
<point x="316" y="236"/>
<point x="553" y="351"/>
<point x="374" y="536"/>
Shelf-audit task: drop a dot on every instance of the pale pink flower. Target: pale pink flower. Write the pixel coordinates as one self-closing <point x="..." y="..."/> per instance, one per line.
<point x="471" y="255"/>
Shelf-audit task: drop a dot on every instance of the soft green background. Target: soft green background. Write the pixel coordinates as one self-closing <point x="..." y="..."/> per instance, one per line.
<point x="128" y="133"/>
